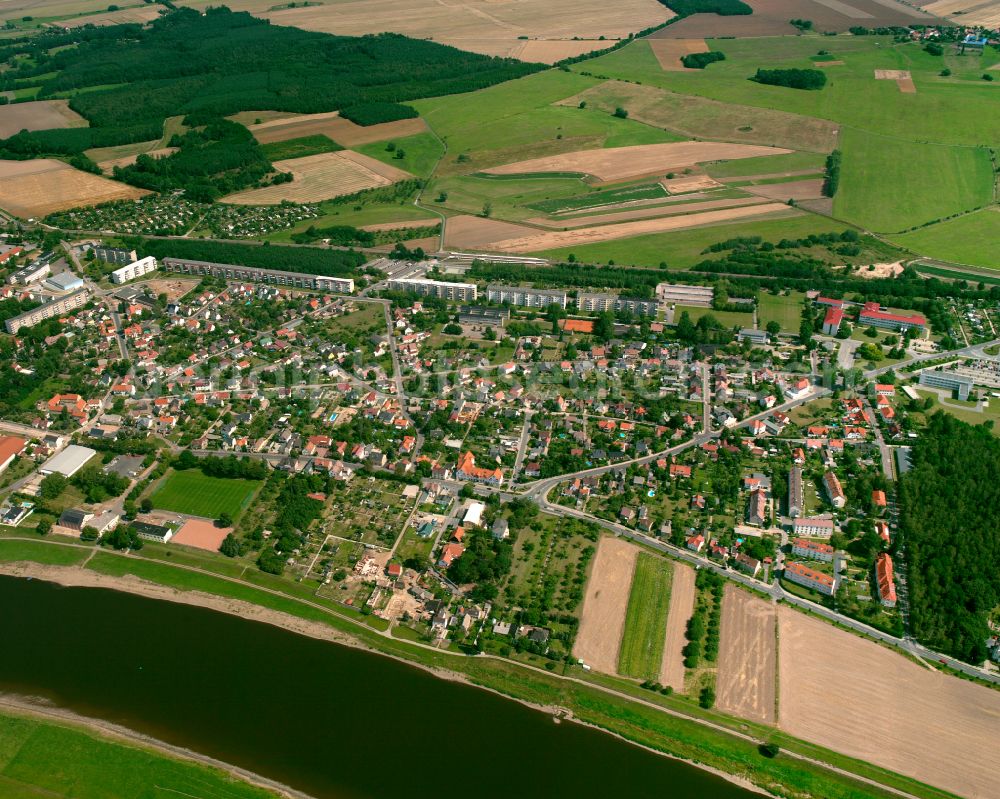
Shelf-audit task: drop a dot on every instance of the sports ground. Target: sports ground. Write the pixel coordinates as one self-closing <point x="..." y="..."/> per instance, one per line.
<point x="193" y="493"/>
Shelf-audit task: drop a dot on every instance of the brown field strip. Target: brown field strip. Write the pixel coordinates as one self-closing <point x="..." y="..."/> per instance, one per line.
<point x="792" y="190"/>
<point x="699" y="117"/>
<point x="670" y="51"/>
<point x="605" y="604"/>
<point x="141" y="14"/>
<point x="747" y="649"/>
<point x="548" y="51"/>
<point x="406" y="224"/>
<point x="622" y="163"/>
<point x="906" y="86"/>
<point x="645" y="213"/>
<point x="342" y="131"/>
<point x="320" y="177"/>
<point x="38" y="115"/>
<point x="862" y="699"/>
<point x="553" y="239"/>
<point x="469" y="232"/>
<point x="32" y="189"/>
<point x="681" y="607"/>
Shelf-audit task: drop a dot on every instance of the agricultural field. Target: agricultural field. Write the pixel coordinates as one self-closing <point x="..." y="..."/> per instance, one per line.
<point x="960" y="240"/>
<point x="682" y="595"/>
<point x="38" y="115"/>
<point x="321" y="177"/>
<point x="416" y="154"/>
<point x="641" y="652"/>
<point x="36" y="188"/>
<point x="745" y="683"/>
<point x="531" y="30"/>
<point x="966" y="12"/>
<point x="197" y="494"/>
<point x="856" y="697"/>
<point x="605" y="605"/>
<point x="136" y="14"/>
<point x="300" y="148"/>
<point x="296" y="126"/>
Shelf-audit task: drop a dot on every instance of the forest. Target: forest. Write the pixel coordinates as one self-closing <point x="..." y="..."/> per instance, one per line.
<point x="310" y="260"/>
<point x="950" y="531"/>
<point x="225" y="62"/>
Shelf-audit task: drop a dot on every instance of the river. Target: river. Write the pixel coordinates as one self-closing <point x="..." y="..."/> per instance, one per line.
<point x="332" y="721"/>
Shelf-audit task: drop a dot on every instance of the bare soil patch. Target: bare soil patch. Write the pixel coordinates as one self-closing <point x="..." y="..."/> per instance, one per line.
<point x="701" y="118"/>
<point x="553" y="239"/>
<point x="880" y="270"/>
<point x="174" y="289"/>
<point x="793" y="190"/>
<point x="38" y="115"/>
<point x="201" y="534"/>
<point x="689" y="183"/>
<point x="481" y="26"/>
<point x="906" y="86"/>
<point x="770" y="18"/>
<point x="623" y="163"/>
<point x="605" y="605"/>
<point x="891" y="74"/>
<point x="669" y="52"/>
<point x="859" y="698"/>
<point x="745" y="682"/>
<point x="320" y="177"/>
<point x="42" y="186"/>
<point x="470" y="232"/>
<point x="681" y="607"/>
<point x="647" y="213"/>
<point x="342" y="131"/>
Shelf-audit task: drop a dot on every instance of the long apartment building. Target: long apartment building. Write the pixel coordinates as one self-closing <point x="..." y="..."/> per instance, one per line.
<point x="812" y="549"/>
<point x="884" y="580"/>
<point x="599" y="303"/>
<point x="50" y="309"/>
<point x="795" y="502"/>
<point x="114" y="255"/>
<point x="814" y="527"/>
<point x="253" y="274"/>
<point x="810" y="578"/>
<point x="525" y="297"/>
<point x="834" y="491"/>
<point x="872" y="314"/>
<point x="133" y="270"/>
<point x="464" y="292"/>
<point x="961" y="384"/>
<point x="678" y="293"/>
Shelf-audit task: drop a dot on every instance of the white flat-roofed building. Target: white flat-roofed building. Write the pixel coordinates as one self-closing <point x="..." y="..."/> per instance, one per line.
<point x="68" y="462"/>
<point x="526" y="297"/>
<point x="440" y="289"/>
<point x="31" y="273"/>
<point x="815" y="527"/>
<point x="64" y="281"/>
<point x="961" y="384"/>
<point x="679" y="294"/>
<point x="133" y="270"/>
<point x="474" y="514"/>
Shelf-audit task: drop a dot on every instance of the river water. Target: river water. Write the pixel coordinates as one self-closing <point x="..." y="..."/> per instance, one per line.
<point x="329" y="720"/>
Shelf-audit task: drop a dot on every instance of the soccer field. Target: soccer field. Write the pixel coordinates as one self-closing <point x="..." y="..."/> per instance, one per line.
<point x="196" y="494"/>
<point x="646" y="620"/>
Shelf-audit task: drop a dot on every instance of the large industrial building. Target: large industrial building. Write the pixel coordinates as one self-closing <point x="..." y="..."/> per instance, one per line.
<point x="47" y="311"/>
<point x="68" y="462"/>
<point x="464" y="292"/>
<point x="253" y="274"/>
<point x="680" y="294"/>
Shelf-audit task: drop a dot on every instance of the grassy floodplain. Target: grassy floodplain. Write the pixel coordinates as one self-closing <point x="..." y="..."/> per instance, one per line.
<point x="646" y="618"/>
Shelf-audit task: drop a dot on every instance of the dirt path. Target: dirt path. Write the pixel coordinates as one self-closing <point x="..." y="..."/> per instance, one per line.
<point x="681" y="608"/>
<point x="854" y="696"/>
<point x="745" y="683"/>
<point x="605" y="604"/>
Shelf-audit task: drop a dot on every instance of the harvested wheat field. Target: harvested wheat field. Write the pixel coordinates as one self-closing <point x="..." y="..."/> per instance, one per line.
<point x="139" y="14"/>
<point x="31" y="189"/>
<point x="967" y="12"/>
<point x="701" y="118"/>
<point x="470" y="232"/>
<point x="645" y="213"/>
<point x="669" y="52"/>
<point x="862" y="699"/>
<point x="481" y="26"/>
<point x="551" y="240"/>
<point x="792" y="190"/>
<point x="201" y="534"/>
<point x="605" y="604"/>
<point x="689" y="183"/>
<point x="623" y="163"/>
<point x="407" y="224"/>
<point x="745" y="681"/>
<point x="38" y="115"/>
<point x="548" y="51"/>
<point x="109" y="165"/>
<point x="342" y="131"/>
<point x="320" y="177"/>
<point x="681" y="608"/>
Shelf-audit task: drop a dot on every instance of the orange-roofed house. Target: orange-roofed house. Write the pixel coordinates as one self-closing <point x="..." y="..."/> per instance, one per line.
<point x="884" y="580"/>
<point x="467" y="470"/>
<point x="878" y="498"/>
<point x="449" y="554"/>
<point x="10" y="448"/>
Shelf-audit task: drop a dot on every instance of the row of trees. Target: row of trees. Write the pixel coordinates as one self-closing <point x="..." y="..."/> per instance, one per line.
<point x="311" y="260"/>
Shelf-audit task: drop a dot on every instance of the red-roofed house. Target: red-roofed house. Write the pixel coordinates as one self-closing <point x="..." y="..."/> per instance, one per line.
<point x="832" y="320"/>
<point x="10" y="448"/>
<point x="872" y="314"/>
<point x="884" y="580"/>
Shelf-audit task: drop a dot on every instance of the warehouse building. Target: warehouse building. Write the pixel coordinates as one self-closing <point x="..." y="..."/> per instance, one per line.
<point x="680" y="294"/>
<point x="64" y="281"/>
<point x="68" y="462"/>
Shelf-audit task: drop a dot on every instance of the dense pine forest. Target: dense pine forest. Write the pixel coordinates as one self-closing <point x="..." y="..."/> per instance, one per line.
<point x="951" y="531"/>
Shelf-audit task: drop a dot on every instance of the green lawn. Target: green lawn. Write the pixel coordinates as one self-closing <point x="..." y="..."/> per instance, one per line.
<point x="43" y="759"/>
<point x="299" y="148"/>
<point x="39" y="551"/>
<point x="726" y="318"/>
<point x="890" y="185"/>
<point x="420" y="153"/>
<point x="973" y="239"/>
<point x="197" y="494"/>
<point x="786" y="310"/>
<point x="646" y="619"/>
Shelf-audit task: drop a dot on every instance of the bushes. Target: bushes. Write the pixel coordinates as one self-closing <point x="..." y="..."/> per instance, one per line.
<point x="702" y="60"/>
<point x="832" y="179"/>
<point x="934" y="48"/>
<point x="808" y="79"/>
<point x="374" y="113"/>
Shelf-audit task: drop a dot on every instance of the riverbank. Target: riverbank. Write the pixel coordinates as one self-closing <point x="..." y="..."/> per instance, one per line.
<point x="666" y="725"/>
<point x="142" y="756"/>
